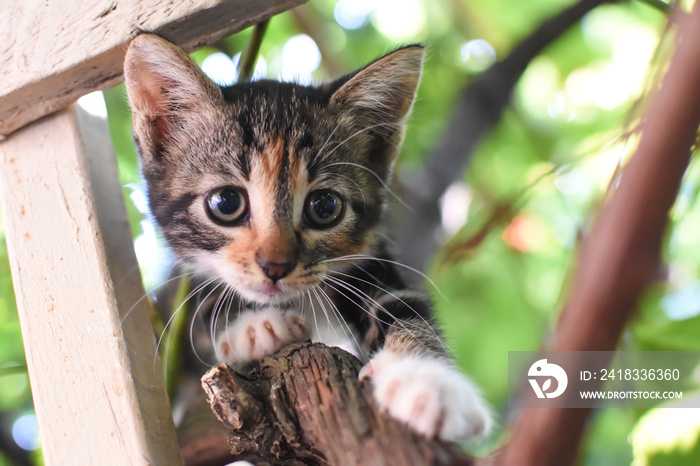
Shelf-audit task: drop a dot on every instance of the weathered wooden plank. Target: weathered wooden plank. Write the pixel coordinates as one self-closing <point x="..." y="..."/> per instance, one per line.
<point x="98" y="389"/>
<point x="51" y="53"/>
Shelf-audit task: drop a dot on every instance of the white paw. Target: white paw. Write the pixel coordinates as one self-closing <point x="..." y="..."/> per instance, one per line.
<point x="259" y="333"/>
<point x="430" y="395"/>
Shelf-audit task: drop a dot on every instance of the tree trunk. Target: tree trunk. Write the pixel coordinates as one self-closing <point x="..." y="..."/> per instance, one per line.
<point x="305" y="406"/>
<point x="622" y="254"/>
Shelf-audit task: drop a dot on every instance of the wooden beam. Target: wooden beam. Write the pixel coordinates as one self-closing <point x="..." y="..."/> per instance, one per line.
<point x="52" y="53"/>
<point x="97" y="385"/>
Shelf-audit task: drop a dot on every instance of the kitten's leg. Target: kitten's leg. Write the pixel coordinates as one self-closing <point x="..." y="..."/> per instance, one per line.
<point x="258" y="333"/>
<point x="416" y="382"/>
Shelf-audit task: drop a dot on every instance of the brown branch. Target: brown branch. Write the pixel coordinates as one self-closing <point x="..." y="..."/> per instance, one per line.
<point x="249" y="56"/>
<point x="622" y="253"/>
<point x="478" y="110"/>
<point x="458" y="250"/>
<point x="305" y="406"/>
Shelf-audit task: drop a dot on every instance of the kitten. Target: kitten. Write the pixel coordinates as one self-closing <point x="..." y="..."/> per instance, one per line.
<point x="275" y="192"/>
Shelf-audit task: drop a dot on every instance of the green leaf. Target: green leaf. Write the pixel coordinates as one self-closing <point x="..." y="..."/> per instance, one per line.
<point x="668" y="436"/>
<point x="665" y="335"/>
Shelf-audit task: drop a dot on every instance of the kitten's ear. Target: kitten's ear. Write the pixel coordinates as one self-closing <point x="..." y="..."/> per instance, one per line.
<point x="162" y="83"/>
<point x="383" y="90"/>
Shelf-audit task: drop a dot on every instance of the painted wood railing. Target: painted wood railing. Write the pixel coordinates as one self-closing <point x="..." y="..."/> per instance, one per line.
<point x="98" y="392"/>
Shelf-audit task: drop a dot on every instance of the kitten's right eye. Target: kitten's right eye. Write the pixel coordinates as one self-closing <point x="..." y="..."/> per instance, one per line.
<point x="227" y="205"/>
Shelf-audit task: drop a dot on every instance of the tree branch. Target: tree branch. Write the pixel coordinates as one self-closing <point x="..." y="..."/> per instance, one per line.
<point x="249" y="56"/>
<point x="622" y="254"/>
<point x="478" y="110"/>
<point x="305" y="406"/>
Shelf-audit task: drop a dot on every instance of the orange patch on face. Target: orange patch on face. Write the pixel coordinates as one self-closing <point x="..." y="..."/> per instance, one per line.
<point x="272" y="164"/>
<point x="297" y="172"/>
<point x="274" y="245"/>
<point x="270" y="235"/>
<point x="278" y="245"/>
<point x="241" y="250"/>
<point x="272" y="160"/>
<point x="253" y="248"/>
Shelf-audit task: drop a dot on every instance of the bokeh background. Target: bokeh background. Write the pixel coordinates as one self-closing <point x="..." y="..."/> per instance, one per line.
<point x="510" y="225"/>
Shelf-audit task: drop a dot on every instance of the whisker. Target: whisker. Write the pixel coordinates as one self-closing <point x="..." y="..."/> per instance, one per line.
<point x="393" y="295"/>
<point x="199" y="308"/>
<point x="379" y="178"/>
<point x="351" y="257"/>
<point x="357" y="133"/>
<point x="362" y="308"/>
<point x="340" y="144"/>
<point x="228" y="310"/>
<point x="228" y="304"/>
<point x="325" y="143"/>
<point x="170" y="320"/>
<point x="217" y="310"/>
<point x="342" y="320"/>
<point x="325" y="313"/>
<point x="149" y="293"/>
<point x="361" y="294"/>
<point x="313" y="312"/>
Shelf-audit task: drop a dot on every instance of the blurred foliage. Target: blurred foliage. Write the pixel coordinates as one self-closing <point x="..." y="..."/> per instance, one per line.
<point x="555" y="152"/>
<point x="667" y="436"/>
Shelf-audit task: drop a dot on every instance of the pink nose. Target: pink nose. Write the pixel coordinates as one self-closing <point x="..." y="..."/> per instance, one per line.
<point x="276" y="271"/>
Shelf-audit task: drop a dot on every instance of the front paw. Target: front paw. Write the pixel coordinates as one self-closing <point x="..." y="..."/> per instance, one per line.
<point x="430" y="395"/>
<point x="259" y="333"/>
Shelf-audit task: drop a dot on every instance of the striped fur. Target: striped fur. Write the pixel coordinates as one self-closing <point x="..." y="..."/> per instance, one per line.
<point x="277" y="141"/>
<point x="274" y="146"/>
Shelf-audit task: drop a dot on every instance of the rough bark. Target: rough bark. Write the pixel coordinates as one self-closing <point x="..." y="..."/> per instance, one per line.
<point x="305" y="406"/>
<point x="622" y="254"/>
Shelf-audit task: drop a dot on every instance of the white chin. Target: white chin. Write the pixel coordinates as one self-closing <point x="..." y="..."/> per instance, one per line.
<point x="266" y="297"/>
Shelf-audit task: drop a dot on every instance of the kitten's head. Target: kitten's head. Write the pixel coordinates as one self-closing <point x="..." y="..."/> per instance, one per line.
<point x="267" y="185"/>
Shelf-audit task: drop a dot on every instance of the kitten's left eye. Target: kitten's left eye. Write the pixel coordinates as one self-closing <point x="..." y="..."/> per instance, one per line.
<point x="227" y="205"/>
<point x="323" y="208"/>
